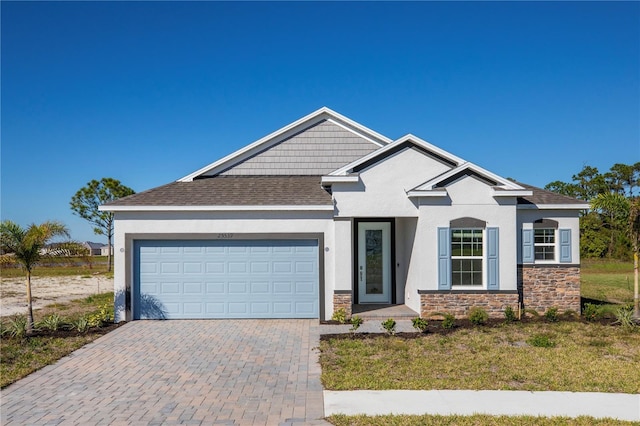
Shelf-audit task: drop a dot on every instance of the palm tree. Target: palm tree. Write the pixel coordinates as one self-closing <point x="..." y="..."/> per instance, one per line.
<point x="26" y="245"/>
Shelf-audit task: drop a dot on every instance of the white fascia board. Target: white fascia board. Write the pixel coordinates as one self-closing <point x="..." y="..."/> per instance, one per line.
<point x="512" y="193"/>
<point x="430" y="147"/>
<point x="323" y="113"/>
<point x="340" y="179"/>
<point x="407" y="138"/>
<point x="213" y="208"/>
<point x="504" y="183"/>
<point x="554" y="206"/>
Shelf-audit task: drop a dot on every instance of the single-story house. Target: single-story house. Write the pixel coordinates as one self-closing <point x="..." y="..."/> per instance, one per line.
<point x="104" y="250"/>
<point x="326" y="213"/>
<point x="94" y="249"/>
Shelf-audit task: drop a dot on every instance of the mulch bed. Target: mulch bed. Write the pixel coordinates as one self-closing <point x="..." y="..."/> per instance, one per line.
<point x="435" y="327"/>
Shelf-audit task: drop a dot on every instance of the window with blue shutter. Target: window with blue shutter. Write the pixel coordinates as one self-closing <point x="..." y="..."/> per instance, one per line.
<point x="527" y="246"/>
<point x="444" y="259"/>
<point x="493" y="270"/>
<point x="565" y="245"/>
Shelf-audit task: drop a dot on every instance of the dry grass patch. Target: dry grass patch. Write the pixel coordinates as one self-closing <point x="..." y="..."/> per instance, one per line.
<point x="478" y="419"/>
<point x="583" y="358"/>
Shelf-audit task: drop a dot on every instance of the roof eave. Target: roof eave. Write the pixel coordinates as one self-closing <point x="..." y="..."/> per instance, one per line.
<point x="553" y="206"/>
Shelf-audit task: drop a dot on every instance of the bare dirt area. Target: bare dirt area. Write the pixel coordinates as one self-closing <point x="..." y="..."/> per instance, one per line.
<point x="48" y="290"/>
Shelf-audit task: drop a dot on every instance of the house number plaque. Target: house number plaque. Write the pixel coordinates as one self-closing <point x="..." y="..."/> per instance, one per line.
<point x="225" y="236"/>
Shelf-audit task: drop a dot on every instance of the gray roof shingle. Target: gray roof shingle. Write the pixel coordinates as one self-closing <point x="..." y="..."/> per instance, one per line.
<point x="542" y="196"/>
<point x="234" y="191"/>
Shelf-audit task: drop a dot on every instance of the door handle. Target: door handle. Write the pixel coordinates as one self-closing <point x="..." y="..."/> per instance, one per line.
<point x="360" y="275"/>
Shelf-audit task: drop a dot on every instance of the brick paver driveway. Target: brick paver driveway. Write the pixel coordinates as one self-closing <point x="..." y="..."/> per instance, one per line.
<point x="179" y="372"/>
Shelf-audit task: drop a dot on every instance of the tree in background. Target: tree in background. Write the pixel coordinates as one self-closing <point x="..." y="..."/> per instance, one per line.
<point x="613" y="209"/>
<point x="603" y="227"/>
<point x="634" y="233"/>
<point x="27" y="247"/>
<point x="86" y="202"/>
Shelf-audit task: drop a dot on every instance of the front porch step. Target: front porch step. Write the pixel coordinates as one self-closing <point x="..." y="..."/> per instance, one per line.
<point x="382" y="312"/>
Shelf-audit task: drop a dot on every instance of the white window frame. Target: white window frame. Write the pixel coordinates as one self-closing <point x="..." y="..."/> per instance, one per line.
<point x="554" y="245"/>
<point x="483" y="261"/>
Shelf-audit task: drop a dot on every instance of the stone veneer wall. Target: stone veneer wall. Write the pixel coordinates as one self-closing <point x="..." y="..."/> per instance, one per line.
<point x="342" y="299"/>
<point x="546" y="286"/>
<point x="458" y="302"/>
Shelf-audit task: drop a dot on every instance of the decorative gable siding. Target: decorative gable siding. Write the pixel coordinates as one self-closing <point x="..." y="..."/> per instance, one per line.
<point x="316" y="151"/>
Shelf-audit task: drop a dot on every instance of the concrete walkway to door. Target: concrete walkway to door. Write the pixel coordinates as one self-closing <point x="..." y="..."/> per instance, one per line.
<point x="229" y="372"/>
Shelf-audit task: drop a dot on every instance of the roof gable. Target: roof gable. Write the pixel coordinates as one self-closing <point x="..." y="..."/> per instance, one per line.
<point x="323" y="122"/>
<point x="405" y="142"/>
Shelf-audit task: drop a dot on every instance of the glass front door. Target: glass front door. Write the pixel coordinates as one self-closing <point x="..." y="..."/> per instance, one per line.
<point x="374" y="262"/>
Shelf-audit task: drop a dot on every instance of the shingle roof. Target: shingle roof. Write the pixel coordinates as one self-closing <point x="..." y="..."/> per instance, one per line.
<point x="542" y="196"/>
<point x="234" y="191"/>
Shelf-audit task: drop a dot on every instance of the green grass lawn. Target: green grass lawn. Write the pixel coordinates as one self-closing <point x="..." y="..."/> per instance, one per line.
<point x="586" y="357"/>
<point x="607" y="282"/>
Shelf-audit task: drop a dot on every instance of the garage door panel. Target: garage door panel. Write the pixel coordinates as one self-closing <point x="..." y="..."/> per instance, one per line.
<point x="253" y="279"/>
<point x="214" y="267"/>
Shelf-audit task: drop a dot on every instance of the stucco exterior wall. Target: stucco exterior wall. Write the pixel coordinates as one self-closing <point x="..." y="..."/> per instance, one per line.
<point x="381" y="191"/>
<point x="130" y="226"/>
<point x="467" y="198"/>
<point x="567" y="219"/>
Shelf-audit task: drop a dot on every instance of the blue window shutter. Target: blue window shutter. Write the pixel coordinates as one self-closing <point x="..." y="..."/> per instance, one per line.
<point x="493" y="270"/>
<point x="527" y="246"/>
<point x="565" y="245"/>
<point x="444" y="259"/>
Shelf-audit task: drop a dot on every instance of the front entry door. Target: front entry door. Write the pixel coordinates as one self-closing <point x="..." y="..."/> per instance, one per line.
<point x="374" y="262"/>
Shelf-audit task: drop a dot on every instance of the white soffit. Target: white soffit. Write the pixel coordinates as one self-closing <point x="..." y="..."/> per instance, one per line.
<point x="315" y="117"/>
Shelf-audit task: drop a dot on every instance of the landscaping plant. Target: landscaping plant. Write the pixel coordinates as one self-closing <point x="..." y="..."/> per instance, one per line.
<point x="51" y="322"/>
<point x="509" y="314"/>
<point x="339" y="315"/>
<point x="420" y="324"/>
<point x="389" y="326"/>
<point x="27" y="245"/>
<point x="591" y="312"/>
<point x="449" y="321"/>
<point x="551" y="314"/>
<point x="478" y="316"/>
<point x="356" y="322"/>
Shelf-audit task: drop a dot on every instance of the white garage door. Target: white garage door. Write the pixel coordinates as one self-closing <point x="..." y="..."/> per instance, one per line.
<point x="226" y="279"/>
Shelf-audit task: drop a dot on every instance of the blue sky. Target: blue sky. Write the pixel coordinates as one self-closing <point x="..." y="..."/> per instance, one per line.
<point x="148" y="92"/>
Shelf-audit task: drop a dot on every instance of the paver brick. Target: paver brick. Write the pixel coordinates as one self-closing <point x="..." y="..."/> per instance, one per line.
<point x="230" y="372"/>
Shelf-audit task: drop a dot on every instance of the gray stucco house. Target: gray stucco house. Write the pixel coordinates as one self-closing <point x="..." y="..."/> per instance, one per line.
<point x="325" y="213"/>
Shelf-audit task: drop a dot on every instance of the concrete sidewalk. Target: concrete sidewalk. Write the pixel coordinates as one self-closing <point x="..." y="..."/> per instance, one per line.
<point x="494" y="402"/>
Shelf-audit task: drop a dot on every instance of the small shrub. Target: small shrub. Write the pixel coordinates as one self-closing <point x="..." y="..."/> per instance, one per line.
<point x="509" y="314"/>
<point x="4" y="330"/>
<point x="339" y="315"/>
<point x="51" y="322"/>
<point x="478" y="316"/>
<point x="81" y="324"/>
<point x="17" y="327"/>
<point x="449" y="321"/>
<point x="591" y="312"/>
<point x="356" y="322"/>
<point x="541" y="341"/>
<point x="624" y="317"/>
<point x="551" y="314"/>
<point x="101" y="317"/>
<point x="389" y="325"/>
<point x="420" y="324"/>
